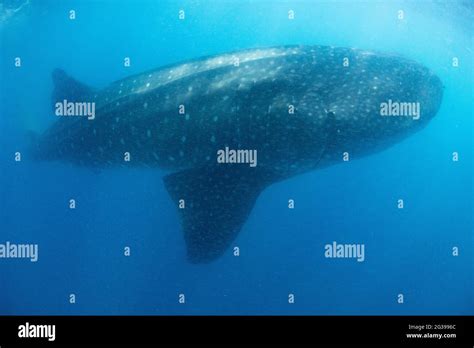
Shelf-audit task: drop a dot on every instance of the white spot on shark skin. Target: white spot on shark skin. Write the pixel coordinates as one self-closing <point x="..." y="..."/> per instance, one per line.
<point x="187" y="117"/>
<point x="148" y="133"/>
<point x="241" y="86"/>
<point x="145" y="105"/>
<point x="213" y="139"/>
<point x="181" y="153"/>
<point x="225" y="97"/>
<point x="122" y="141"/>
<point x="187" y="69"/>
<point x="183" y="139"/>
<point x="171" y="158"/>
<point x="156" y="156"/>
<point x="147" y="85"/>
<point x="94" y="131"/>
<point x="215" y="118"/>
<point x="120" y="92"/>
<point x="208" y="158"/>
<point x="190" y="88"/>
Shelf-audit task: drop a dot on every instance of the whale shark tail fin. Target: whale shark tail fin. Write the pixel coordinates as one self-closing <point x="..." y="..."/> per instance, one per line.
<point x="213" y="204"/>
<point x="67" y="88"/>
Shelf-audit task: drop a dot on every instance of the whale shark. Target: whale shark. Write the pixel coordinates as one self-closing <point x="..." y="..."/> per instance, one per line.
<point x="225" y="127"/>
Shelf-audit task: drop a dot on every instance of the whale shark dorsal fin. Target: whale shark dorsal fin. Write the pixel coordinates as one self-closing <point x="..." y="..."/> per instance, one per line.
<point x="68" y="88"/>
<point x="213" y="204"/>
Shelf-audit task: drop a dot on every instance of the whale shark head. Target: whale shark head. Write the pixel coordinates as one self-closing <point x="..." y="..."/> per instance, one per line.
<point x="375" y="103"/>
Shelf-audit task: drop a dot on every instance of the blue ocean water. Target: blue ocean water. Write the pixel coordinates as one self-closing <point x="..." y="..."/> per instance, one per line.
<point x="409" y="251"/>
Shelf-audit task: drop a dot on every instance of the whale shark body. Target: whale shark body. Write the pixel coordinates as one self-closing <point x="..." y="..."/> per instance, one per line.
<point x="294" y="108"/>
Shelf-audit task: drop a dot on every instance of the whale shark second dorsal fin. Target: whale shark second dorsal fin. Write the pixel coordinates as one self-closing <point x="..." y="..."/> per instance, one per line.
<point x="67" y="88"/>
<point x="213" y="203"/>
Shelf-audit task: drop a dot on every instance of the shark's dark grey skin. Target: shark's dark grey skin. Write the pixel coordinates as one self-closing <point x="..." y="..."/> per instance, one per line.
<point x="241" y="106"/>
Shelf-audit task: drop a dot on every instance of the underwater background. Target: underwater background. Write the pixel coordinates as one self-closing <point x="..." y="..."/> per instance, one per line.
<point x="407" y="251"/>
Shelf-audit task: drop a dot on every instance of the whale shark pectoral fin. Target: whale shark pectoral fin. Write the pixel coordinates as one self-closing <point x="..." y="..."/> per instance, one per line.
<point x="213" y="204"/>
<point x="67" y="88"/>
